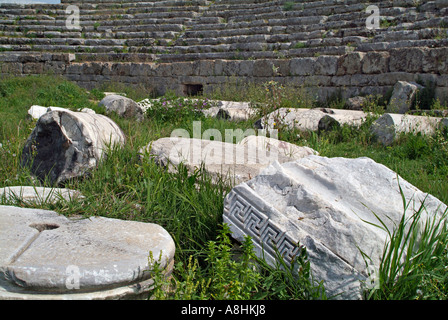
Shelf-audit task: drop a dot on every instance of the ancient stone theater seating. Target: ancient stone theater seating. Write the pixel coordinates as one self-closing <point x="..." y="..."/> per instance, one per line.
<point x="187" y="46"/>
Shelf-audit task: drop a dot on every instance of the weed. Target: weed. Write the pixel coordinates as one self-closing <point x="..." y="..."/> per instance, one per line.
<point x="288" y="5"/>
<point x="171" y="108"/>
<point x="225" y="278"/>
<point x="414" y="257"/>
<point x="300" y="45"/>
<point x="412" y="146"/>
<point x="236" y="274"/>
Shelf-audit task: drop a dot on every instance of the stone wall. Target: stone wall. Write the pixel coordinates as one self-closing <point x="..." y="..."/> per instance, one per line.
<point x="352" y="74"/>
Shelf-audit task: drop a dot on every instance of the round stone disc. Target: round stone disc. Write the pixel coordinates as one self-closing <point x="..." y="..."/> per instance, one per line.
<point x="44" y="253"/>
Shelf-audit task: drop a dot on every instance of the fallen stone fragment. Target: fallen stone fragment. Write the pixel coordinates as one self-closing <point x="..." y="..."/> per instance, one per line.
<point x="114" y="93"/>
<point x="402" y="97"/>
<point x="211" y="112"/>
<point x="124" y="107"/>
<point x="389" y="126"/>
<point x="232" y="162"/>
<point x="68" y="144"/>
<point x="327" y="206"/>
<point x="310" y="119"/>
<point x="36" y="111"/>
<point x="87" y="110"/>
<point x="235" y="111"/>
<point x="281" y="147"/>
<point x="356" y="103"/>
<point x="38" y="195"/>
<point x="44" y="255"/>
<point x="56" y="109"/>
<point x="145" y="104"/>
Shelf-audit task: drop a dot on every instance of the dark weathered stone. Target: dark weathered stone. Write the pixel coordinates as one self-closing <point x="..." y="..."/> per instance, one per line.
<point x="67" y="144"/>
<point x="124" y="107"/>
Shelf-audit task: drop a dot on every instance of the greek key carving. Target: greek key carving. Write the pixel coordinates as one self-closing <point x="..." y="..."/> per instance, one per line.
<point x="259" y="227"/>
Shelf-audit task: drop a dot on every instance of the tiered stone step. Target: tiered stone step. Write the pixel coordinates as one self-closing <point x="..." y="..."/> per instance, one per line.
<point x="185" y="30"/>
<point x="175" y="44"/>
<point x="106" y="27"/>
<point x="268" y="27"/>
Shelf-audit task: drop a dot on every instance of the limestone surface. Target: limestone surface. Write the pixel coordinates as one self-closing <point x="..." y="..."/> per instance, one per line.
<point x="38" y="195"/>
<point x="67" y="144"/>
<point x="44" y="255"/>
<point x="235" y="111"/>
<point x="326" y="205"/>
<point x="389" y="126"/>
<point x="36" y="111"/>
<point x="281" y="147"/>
<point x="310" y="119"/>
<point x="402" y="97"/>
<point x="232" y="162"/>
<point x="123" y="106"/>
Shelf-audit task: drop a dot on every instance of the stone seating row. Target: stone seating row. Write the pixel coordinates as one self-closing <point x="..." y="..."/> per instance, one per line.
<point x="217" y="10"/>
<point x="141" y="2"/>
<point x="130" y="6"/>
<point x="239" y="51"/>
<point x="219" y="30"/>
<point x="291" y="35"/>
<point x="272" y="21"/>
<point x="251" y="45"/>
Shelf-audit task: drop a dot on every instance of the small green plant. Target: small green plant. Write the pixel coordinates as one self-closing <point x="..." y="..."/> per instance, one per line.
<point x="274" y="95"/>
<point x="412" y="146"/>
<point x="438" y="149"/>
<point x="414" y="256"/>
<point x="172" y="108"/>
<point x="387" y="23"/>
<point x="300" y="45"/>
<point x="96" y="94"/>
<point x="236" y="274"/>
<point x="293" y="281"/>
<point x="288" y="5"/>
<point x="225" y="277"/>
<point x="373" y="105"/>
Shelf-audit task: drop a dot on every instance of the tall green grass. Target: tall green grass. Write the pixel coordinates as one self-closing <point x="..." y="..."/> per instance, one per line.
<point x="190" y="206"/>
<point x="414" y="261"/>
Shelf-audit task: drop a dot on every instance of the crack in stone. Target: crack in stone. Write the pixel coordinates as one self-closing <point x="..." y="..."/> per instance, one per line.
<point x="40" y="227"/>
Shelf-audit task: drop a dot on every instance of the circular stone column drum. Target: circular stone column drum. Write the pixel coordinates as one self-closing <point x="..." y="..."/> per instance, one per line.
<point x="44" y="255"/>
<point x="67" y="144"/>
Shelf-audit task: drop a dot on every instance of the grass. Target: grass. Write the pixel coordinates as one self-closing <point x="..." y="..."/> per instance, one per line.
<point x="189" y="206"/>
<point x="414" y="261"/>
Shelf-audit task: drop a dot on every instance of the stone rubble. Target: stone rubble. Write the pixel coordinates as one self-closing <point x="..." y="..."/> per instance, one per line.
<point x="67" y="144"/>
<point x="387" y="128"/>
<point x="310" y="119"/>
<point x="233" y="163"/>
<point x="123" y="106"/>
<point x="403" y="96"/>
<point x="326" y="205"/>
